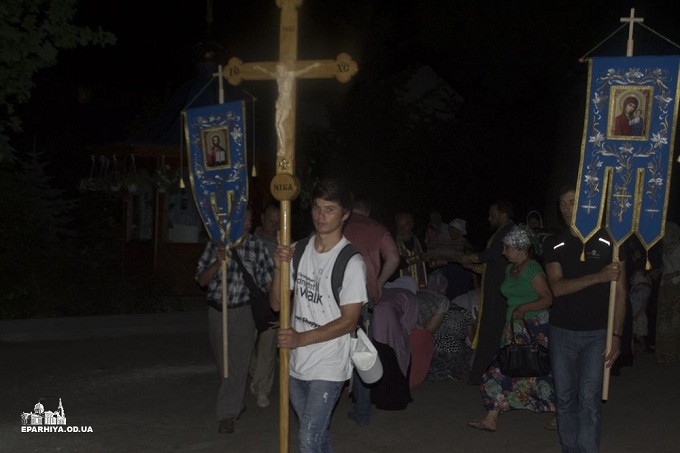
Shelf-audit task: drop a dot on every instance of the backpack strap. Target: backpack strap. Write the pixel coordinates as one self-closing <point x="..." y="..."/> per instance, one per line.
<point x="347" y="252"/>
<point x="300" y="247"/>
<point x="338" y="273"/>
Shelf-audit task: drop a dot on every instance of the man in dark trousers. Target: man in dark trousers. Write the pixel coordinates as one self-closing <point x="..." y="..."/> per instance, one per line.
<point x="579" y="276"/>
<point x="491" y="317"/>
<point x="240" y="324"/>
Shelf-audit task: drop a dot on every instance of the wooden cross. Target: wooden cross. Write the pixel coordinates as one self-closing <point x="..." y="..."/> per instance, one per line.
<point x="631" y="21"/>
<point x="285" y="186"/>
<point x="286" y="71"/>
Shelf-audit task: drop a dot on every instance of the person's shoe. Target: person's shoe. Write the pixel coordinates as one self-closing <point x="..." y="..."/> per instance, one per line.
<point x="355" y="417"/>
<point x="226" y="426"/>
<point x="262" y="400"/>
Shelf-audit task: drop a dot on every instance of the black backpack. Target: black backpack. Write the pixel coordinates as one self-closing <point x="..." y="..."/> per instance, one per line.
<point x="338" y="273"/>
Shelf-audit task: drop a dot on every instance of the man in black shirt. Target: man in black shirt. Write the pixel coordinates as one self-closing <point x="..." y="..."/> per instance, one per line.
<point x="579" y="276"/>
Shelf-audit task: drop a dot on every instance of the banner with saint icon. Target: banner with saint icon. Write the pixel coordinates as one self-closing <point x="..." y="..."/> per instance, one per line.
<point x="215" y="139"/>
<point x="627" y="147"/>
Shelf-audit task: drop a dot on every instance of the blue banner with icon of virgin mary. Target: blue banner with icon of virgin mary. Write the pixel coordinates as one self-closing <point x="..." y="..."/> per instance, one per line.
<point x="215" y="137"/>
<point x="627" y="147"/>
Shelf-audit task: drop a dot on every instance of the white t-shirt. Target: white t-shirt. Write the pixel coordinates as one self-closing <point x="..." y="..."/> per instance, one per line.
<point x="315" y="306"/>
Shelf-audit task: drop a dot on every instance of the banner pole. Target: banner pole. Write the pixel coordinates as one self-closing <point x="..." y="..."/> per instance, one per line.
<point x="225" y="343"/>
<point x="610" y="324"/>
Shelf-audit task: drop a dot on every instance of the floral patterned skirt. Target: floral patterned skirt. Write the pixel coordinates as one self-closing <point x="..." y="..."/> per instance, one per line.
<point x="506" y="393"/>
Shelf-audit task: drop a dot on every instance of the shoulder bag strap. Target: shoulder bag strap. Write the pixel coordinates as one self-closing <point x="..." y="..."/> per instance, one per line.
<point x="250" y="283"/>
<point x="512" y="330"/>
<point x="532" y="339"/>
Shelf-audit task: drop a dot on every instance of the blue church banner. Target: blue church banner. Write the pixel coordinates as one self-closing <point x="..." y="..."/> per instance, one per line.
<point x="215" y="137"/>
<point x="627" y="147"/>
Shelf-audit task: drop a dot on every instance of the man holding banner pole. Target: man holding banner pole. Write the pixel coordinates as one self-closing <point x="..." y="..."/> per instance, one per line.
<point x="240" y="324"/>
<point x="578" y="325"/>
<point x="622" y="190"/>
<point x="221" y="196"/>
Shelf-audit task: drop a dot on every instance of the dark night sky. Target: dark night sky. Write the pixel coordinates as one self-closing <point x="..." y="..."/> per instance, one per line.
<point x="498" y="43"/>
<point x="513" y="63"/>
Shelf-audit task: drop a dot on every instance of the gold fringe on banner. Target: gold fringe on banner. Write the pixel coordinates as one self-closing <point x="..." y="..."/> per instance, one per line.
<point x="648" y="264"/>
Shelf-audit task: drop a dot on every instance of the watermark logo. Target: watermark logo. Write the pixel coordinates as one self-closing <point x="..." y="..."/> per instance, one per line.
<point x="42" y="421"/>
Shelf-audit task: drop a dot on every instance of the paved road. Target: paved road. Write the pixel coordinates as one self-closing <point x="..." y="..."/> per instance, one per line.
<point x="156" y="393"/>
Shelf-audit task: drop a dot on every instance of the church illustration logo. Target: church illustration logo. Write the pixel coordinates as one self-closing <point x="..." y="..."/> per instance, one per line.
<point x="42" y="421"/>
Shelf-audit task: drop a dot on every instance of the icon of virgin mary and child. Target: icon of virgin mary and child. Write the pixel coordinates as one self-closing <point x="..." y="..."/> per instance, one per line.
<point x="631" y="121"/>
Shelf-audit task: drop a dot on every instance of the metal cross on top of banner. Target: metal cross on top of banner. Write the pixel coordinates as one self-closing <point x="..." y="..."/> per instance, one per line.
<point x="627" y="152"/>
<point x="285" y="186"/>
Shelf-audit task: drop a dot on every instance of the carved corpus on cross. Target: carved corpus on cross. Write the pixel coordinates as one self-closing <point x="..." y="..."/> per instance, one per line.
<point x="286" y="71"/>
<point x="285" y="186"/>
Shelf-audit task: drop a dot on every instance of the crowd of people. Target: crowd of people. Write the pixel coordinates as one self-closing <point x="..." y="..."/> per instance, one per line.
<point x="439" y="308"/>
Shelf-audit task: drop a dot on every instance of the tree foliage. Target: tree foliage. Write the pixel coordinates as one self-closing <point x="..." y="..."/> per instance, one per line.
<point x="32" y="33"/>
<point x="59" y="257"/>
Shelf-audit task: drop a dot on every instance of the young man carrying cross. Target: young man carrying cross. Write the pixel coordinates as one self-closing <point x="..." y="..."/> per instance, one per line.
<point x="319" y="340"/>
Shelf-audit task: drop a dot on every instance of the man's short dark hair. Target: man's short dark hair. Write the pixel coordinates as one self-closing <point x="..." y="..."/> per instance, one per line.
<point x="566" y="188"/>
<point x="333" y="190"/>
<point x="362" y="201"/>
<point x="407" y="215"/>
<point x="271" y="206"/>
<point x="504" y="206"/>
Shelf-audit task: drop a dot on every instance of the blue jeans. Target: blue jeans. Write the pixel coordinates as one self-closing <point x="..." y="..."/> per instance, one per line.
<point x="313" y="402"/>
<point x="577" y="368"/>
<point x="362" y="400"/>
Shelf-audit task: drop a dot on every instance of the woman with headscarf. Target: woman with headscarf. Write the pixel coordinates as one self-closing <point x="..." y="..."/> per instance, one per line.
<point x="529" y="298"/>
<point x="668" y="308"/>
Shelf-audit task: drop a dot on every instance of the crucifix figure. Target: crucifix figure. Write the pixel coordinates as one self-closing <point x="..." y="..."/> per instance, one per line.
<point x="285" y="78"/>
<point x="285" y="186"/>
<point x="286" y="71"/>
